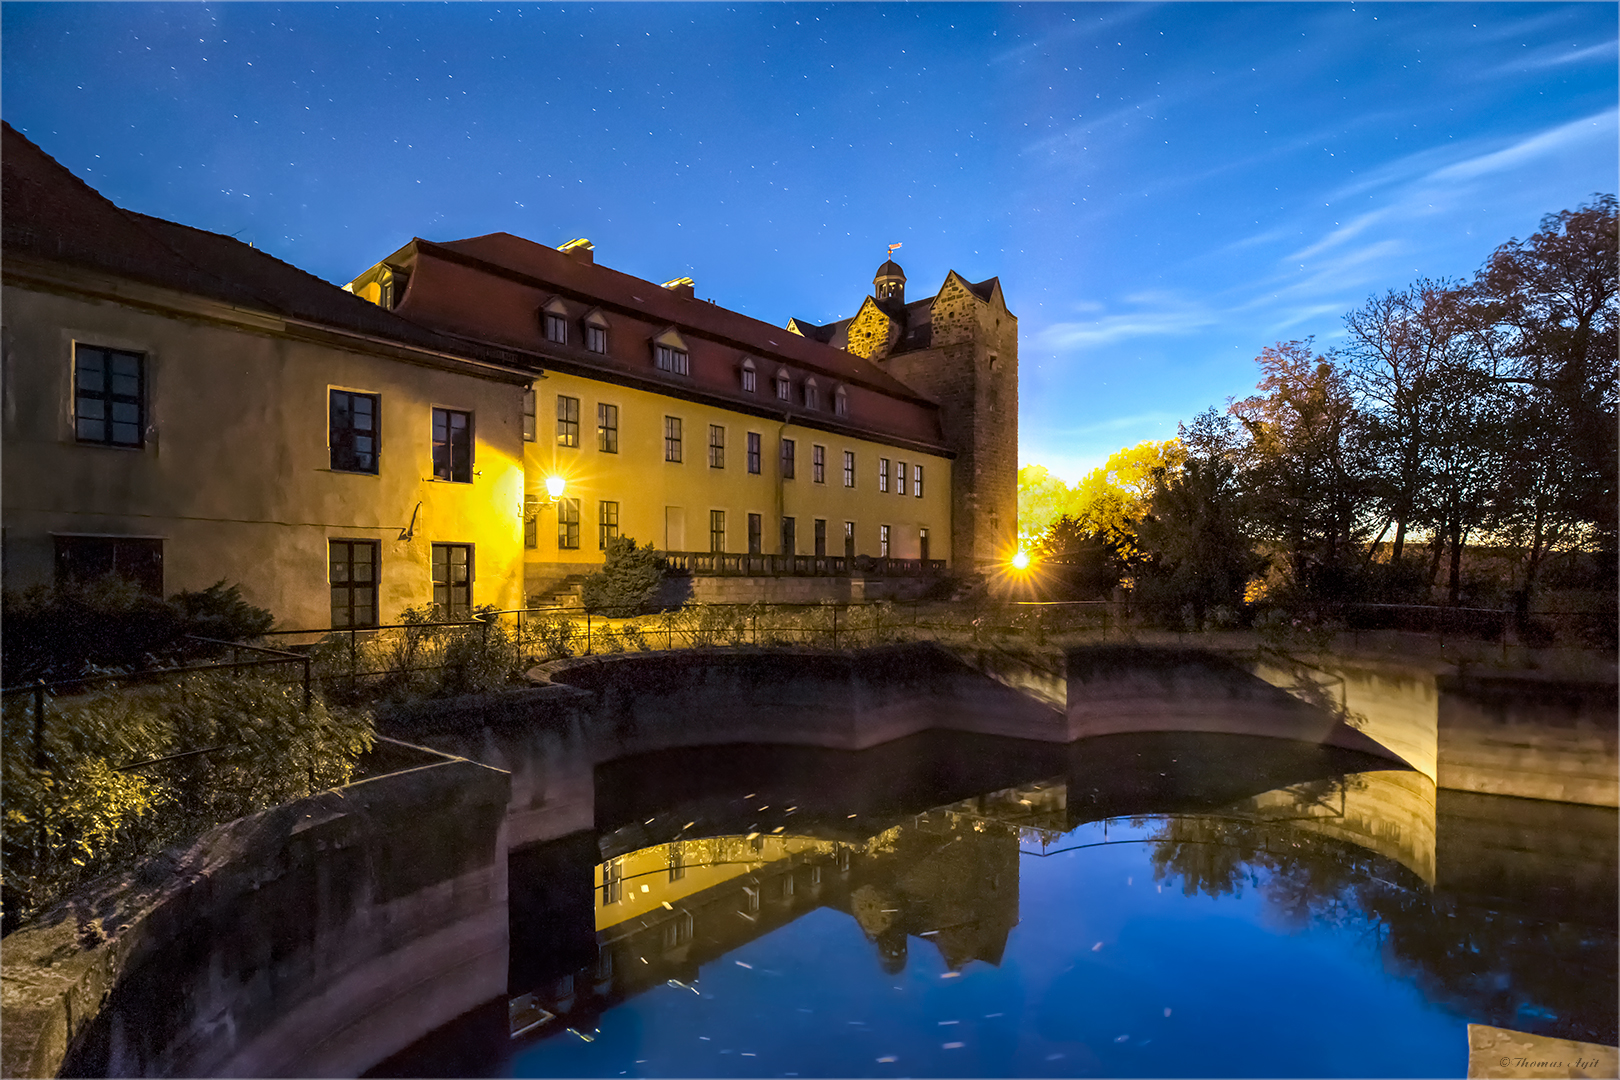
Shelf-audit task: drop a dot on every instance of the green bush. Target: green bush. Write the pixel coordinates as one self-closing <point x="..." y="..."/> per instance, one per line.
<point x="74" y="809"/>
<point x="628" y="582"/>
<point x="57" y="632"/>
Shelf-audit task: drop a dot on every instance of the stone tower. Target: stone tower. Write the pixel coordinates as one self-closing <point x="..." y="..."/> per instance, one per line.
<point x="958" y="347"/>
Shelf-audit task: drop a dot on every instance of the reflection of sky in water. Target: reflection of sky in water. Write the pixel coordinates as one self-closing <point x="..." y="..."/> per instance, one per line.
<point x="1099" y="954"/>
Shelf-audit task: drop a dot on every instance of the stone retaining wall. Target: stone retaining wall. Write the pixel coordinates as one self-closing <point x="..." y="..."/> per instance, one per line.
<point x="312" y="939"/>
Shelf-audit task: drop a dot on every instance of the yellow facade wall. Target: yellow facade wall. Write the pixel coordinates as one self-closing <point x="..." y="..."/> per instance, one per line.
<point x="235" y="475"/>
<point x="668" y="504"/>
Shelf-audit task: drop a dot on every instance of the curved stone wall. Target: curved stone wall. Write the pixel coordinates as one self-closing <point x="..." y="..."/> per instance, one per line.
<point x="312" y="939"/>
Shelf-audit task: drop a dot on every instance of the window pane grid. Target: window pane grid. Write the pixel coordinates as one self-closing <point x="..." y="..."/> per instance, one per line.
<point x="717" y="530"/>
<point x="753" y="452"/>
<point x="353" y="576"/>
<point x="673" y="360"/>
<point x="607" y="517"/>
<point x="568" y="524"/>
<point x="452" y="579"/>
<point x="452" y="445"/>
<point x="672" y="438"/>
<point x="354" y="434"/>
<point x="818" y="464"/>
<point x="883" y="474"/>
<point x="849" y="468"/>
<point x="787" y="459"/>
<point x="567" y="421"/>
<point x="607" y="428"/>
<point x="717" y="446"/>
<point x="109" y="398"/>
<point x="596" y="339"/>
<point x="900" y="477"/>
<point x="916" y="480"/>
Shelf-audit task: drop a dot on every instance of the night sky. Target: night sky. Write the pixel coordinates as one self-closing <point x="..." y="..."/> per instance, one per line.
<point x="1164" y="190"/>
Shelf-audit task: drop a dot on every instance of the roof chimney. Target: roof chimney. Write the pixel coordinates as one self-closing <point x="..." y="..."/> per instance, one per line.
<point x="581" y="249"/>
<point x="682" y="286"/>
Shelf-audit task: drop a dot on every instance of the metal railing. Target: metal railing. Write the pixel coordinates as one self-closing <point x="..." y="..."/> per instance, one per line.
<point x="733" y="564"/>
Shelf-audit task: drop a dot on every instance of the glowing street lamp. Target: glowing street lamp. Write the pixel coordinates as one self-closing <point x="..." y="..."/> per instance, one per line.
<point x="554" y="487"/>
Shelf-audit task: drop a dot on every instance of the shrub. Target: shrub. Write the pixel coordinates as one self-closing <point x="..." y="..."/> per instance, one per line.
<point x="57" y="632"/>
<point x="77" y="809"/>
<point x="628" y="581"/>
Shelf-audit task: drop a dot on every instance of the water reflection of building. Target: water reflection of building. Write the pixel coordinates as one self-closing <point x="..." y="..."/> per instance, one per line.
<point x="948" y="877"/>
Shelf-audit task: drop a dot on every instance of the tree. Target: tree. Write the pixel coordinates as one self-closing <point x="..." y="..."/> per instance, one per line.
<point x="628" y="581"/>
<point x="1042" y="499"/>
<point x="1547" y="315"/>
<point x="1111" y="499"/>
<point x="1305" y="462"/>
<point x="1079" y="560"/>
<point x="1195" y="541"/>
<point x="1400" y="348"/>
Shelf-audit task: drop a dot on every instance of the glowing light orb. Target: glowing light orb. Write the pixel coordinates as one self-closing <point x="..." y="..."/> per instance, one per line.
<point x="554" y="487"/>
<point x="1020" y="561"/>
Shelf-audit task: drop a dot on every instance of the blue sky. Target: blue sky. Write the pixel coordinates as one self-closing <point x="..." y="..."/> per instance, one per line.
<point x="1164" y="190"/>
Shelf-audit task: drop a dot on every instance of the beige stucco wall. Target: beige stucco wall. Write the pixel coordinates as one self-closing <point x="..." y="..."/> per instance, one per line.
<point x="235" y="475"/>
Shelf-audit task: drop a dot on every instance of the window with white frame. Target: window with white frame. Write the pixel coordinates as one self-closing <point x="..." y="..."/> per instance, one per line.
<point x="596" y="328"/>
<point x="883" y="474"/>
<point x="784" y="387"/>
<point x="749" y="383"/>
<point x="849" y="468"/>
<point x="676" y="361"/>
<point x="900" y="477"/>
<point x="883" y="541"/>
<point x="916" y="480"/>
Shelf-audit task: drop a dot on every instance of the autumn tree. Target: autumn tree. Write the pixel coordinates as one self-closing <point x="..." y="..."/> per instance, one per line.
<point x="1111" y="499"/>
<point x="1196" y="546"/>
<point x="1546" y="315"/>
<point x="1042" y="499"/>
<point x="1305" y="463"/>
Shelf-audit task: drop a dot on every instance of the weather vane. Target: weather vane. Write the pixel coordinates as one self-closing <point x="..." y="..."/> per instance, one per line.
<point x="892" y="249"/>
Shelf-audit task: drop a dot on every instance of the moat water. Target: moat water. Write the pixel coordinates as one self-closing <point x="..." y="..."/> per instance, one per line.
<point x="950" y="905"/>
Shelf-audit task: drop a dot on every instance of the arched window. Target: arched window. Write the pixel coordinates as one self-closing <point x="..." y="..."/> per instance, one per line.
<point x="812" y="394"/>
<point x="748" y="378"/>
<point x="840" y="402"/>
<point x="784" y="386"/>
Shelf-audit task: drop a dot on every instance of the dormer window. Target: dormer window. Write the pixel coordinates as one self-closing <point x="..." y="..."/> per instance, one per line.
<point x="749" y="383"/>
<point x="670" y="353"/>
<point x="784" y="387"/>
<point x="840" y="402"/>
<point x="596" y="328"/>
<point x="554" y="321"/>
<point x="812" y="394"/>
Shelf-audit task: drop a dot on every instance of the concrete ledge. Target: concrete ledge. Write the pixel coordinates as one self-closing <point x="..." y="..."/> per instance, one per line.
<point x="282" y="943"/>
<point x="1502" y="1052"/>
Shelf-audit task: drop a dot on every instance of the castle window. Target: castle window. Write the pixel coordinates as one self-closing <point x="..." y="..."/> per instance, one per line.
<point x="753" y="452"/>
<point x="607" y="517"/>
<point x="849" y="539"/>
<point x="556" y="328"/>
<point x="531" y="521"/>
<point x="748" y="380"/>
<point x="353" y="434"/>
<point x="790" y="541"/>
<point x="812" y="394"/>
<point x="672" y="438"/>
<point x="567" y="420"/>
<point x="452" y="579"/>
<point x="883" y="474"/>
<point x="452" y="445"/>
<point x="596" y="328"/>
<point x="883" y="541"/>
<point x="840" y="402"/>
<point x="717" y="446"/>
<point x="568" y="524"/>
<point x="528" y="415"/>
<point x="756" y="529"/>
<point x="900" y="477"/>
<point x="607" y="428"/>
<point x="916" y="480"/>
<point x="717" y="530"/>
<point x="818" y="464"/>
<point x="784" y="388"/>
<point x="676" y="361"/>
<point x="849" y="468"/>
<point x="787" y="459"/>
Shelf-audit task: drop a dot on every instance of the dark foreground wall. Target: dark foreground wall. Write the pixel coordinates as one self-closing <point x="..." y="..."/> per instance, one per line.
<point x="312" y="939"/>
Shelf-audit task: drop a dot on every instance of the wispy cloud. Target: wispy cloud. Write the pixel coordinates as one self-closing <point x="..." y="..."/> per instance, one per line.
<point x="1555" y="56"/>
<point x="1159" y="315"/>
<point x="1540" y="145"/>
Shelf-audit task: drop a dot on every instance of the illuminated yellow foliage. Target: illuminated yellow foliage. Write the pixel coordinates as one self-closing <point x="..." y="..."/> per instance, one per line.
<point x="1042" y="499"/>
<point x="1110" y="499"/>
